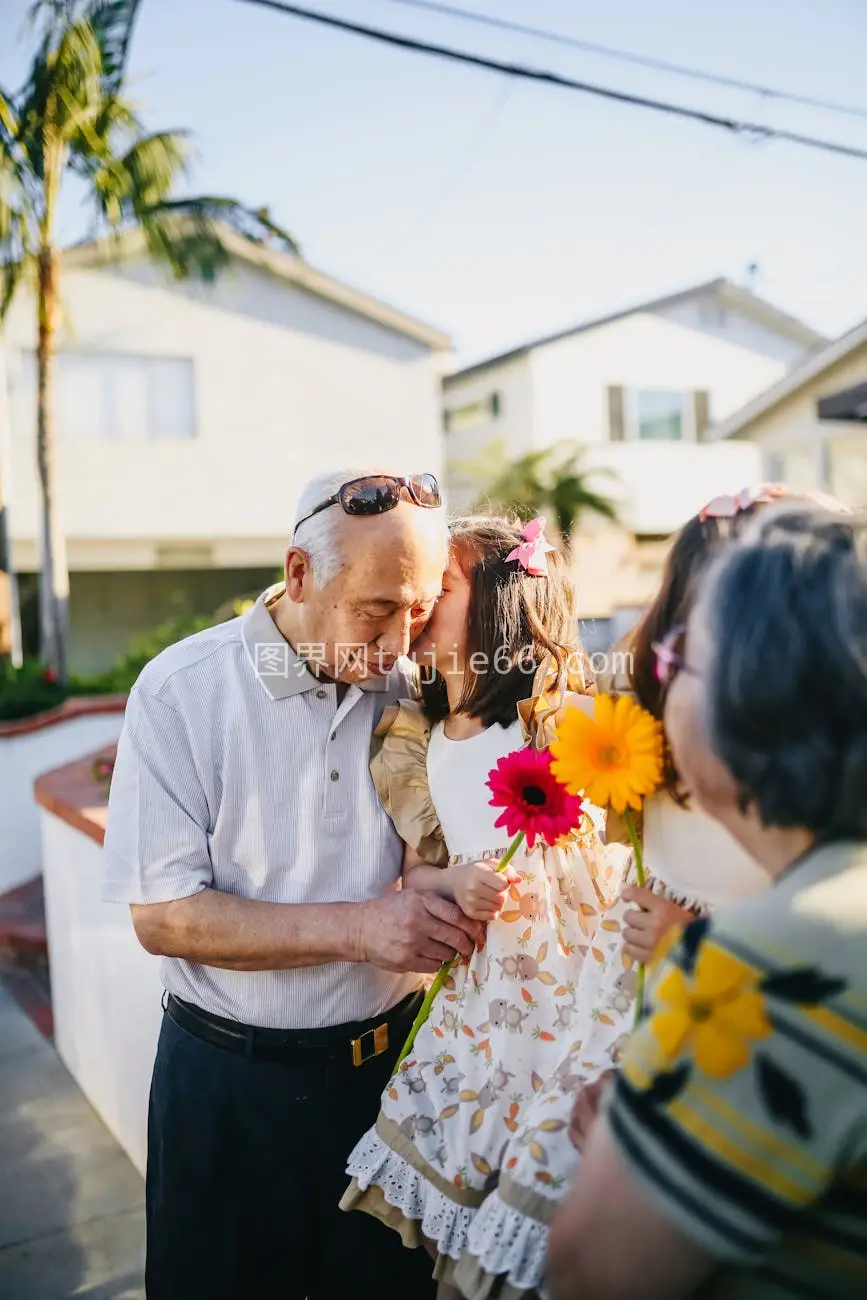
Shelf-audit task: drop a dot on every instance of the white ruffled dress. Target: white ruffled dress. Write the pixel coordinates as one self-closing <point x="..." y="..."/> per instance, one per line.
<point x="504" y="1019"/>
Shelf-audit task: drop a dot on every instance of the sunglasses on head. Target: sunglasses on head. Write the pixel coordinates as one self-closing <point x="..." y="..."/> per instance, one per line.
<point x="374" y="494"/>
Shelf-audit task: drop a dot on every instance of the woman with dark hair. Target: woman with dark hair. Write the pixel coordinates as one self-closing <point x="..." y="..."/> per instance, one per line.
<point x="735" y="1144"/>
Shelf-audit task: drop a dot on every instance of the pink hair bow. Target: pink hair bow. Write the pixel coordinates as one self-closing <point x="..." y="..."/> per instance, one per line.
<point x="532" y="552"/>
<point x="727" y="507"/>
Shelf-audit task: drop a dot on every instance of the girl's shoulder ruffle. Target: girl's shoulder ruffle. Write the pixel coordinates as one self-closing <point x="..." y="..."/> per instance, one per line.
<point x="398" y="766"/>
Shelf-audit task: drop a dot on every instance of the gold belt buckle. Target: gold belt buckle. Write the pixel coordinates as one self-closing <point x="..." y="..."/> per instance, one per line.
<point x="360" y="1050"/>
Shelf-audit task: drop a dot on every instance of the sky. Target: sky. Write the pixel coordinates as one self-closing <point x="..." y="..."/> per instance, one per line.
<point x="501" y="210"/>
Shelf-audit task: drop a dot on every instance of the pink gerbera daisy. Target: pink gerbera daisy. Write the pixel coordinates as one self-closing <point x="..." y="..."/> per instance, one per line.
<point x="533" y="801"/>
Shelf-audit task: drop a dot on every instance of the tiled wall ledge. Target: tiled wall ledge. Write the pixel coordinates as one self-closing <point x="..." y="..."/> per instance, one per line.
<point x="73" y="795"/>
<point x="78" y="707"/>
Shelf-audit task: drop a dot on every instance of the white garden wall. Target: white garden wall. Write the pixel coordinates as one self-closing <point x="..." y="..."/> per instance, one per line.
<point x="105" y="988"/>
<point x="28" y="749"/>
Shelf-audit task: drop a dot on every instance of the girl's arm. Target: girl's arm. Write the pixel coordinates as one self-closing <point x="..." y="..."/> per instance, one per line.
<point x="477" y="888"/>
<point x="418" y="874"/>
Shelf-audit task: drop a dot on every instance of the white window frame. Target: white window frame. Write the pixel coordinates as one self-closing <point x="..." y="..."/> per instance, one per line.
<point x="632" y="422"/>
<point x="27" y="370"/>
<point x="490" y="408"/>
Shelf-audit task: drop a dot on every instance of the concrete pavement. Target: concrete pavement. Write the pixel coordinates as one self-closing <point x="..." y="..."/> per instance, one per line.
<point x="71" y="1204"/>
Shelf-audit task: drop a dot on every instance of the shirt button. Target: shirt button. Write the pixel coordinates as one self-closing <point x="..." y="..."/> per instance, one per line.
<point x="321" y="694"/>
<point x="335" y="775"/>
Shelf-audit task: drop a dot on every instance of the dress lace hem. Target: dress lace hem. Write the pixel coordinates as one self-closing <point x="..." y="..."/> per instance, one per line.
<point x="506" y="1249"/>
<point x="376" y="1168"/>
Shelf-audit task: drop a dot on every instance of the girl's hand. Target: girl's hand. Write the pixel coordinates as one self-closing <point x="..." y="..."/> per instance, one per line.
<point x="479" y="890"/>
<point x="586" y="1108"/>
<point x="643" y="930"/>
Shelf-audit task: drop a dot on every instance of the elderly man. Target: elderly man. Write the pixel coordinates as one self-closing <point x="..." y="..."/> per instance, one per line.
<point x="245" y="833"/>
<point x="732" y="1161"/>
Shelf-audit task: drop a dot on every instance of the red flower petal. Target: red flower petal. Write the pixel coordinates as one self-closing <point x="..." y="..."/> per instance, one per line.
<point x="533" y="801"/>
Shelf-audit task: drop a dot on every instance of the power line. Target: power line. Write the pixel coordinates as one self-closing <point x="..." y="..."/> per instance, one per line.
<point x="756" y="130"/>
<point x="628" y="56"/>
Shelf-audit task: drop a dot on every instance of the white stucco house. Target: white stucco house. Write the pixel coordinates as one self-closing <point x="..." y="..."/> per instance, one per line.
<point x="189" y="416"/>
<point x="640" y="390"/>
<point x="811" y="426"/>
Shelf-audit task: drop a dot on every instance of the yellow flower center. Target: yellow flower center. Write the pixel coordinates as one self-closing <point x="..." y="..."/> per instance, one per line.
<point x="701" y="1011"/>
<point x="610" y="756"/>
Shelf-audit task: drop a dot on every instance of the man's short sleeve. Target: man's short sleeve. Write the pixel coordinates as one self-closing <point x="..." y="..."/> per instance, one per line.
<point x="156" y="842"/>
<point x="739" y="1097"/>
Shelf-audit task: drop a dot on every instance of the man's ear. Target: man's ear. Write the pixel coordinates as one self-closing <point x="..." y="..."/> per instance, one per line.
<point x="299" y="574"/>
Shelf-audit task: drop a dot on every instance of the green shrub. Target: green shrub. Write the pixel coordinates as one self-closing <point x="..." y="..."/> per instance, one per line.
<point x="33" y="689"/>
<point x="27" y="690"/>
<point x="122" y="676"/>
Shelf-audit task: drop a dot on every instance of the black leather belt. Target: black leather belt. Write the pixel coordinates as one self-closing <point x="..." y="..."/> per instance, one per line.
<point x="351" y="1044"/>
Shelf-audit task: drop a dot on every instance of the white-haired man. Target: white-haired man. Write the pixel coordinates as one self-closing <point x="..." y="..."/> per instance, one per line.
<point x="245" y="833"/>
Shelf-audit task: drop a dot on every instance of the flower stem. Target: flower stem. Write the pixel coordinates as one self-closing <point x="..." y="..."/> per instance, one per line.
<point x="640" y="876"/>
<point x="443" y="972"/>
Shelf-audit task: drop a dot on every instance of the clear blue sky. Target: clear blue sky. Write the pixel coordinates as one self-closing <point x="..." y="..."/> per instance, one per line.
<point x="498" y="209"/>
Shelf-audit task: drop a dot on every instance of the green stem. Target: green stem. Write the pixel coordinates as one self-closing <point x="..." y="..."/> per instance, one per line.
<point x="639" y="872"/>
<point x="443" y="972"/>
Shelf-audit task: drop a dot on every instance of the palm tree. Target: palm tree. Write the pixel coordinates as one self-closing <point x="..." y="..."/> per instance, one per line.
<point x="553" y="480"/>
<point x="71" y="118"/>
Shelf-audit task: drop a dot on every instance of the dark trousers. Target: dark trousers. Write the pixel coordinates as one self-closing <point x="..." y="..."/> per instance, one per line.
<point x="246" y="1162"/>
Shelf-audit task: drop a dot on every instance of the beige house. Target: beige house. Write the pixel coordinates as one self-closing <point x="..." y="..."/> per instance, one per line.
<point x="639" y="390"/>
<point x="810" y="427"/>
<point x="188" y="417"/>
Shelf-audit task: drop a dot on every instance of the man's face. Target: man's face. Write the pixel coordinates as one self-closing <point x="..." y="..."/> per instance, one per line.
<point x="686" y="727"/>
<point x="368" y="616"/>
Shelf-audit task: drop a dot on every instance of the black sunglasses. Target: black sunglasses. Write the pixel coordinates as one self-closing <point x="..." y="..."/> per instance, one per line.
<point x="376" y="493"/>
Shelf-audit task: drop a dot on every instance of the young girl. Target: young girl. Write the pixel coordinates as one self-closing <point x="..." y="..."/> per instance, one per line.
<point x="502" y="638"/>
<point x="692" y="865"/>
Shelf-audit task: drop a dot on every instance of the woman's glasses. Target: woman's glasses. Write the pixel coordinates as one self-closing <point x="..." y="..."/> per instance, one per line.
<point x="376" y="493"/>
<point x="668" y="654"/>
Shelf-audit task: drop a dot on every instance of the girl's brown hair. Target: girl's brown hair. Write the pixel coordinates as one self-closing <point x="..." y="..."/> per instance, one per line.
<point x="515" y="621"/>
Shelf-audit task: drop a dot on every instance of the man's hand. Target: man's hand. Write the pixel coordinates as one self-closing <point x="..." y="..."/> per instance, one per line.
<point x="642" y="930"/>
<point x="479" y="890"/>
<point x="586" y="1109"/>
<point x="411" y="931"/>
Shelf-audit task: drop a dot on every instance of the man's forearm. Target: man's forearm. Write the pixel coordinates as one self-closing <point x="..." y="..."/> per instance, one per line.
<point x="217" y="929"/>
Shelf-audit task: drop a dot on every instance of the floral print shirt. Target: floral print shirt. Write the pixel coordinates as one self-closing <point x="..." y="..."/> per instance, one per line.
<point x="742" y="1099"/>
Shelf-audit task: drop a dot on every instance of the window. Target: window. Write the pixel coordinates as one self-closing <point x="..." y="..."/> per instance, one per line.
<point x="660" y="414"/>
<point x="116" y="396"/>
<point x="847" y="469"/>
<point x="473" y="413"/>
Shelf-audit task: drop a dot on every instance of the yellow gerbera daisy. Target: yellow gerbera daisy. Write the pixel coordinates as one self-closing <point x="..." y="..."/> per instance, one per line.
<point x="613" y="758"/>
<point x="717" y="1012"/>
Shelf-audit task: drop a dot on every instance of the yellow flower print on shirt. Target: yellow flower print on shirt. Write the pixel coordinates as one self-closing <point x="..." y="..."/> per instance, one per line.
<point x="716" y="1012"/>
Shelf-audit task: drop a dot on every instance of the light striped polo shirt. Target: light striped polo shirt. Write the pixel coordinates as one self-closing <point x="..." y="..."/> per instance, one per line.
<point x="238" y="770"/>
<point x="742" y="1102"/>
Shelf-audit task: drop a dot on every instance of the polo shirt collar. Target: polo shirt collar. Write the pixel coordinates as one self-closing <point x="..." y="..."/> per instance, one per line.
<point x="280" y="669"/>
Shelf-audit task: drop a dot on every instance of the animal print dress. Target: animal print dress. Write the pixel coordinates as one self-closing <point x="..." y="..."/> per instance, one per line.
<point x="503" y="1020"/>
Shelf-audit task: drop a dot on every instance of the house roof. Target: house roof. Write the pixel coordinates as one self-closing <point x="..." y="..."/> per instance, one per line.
<point x="285" y="266"/>
<point x="731" y="294"/>
<point x="812" y="368"/>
